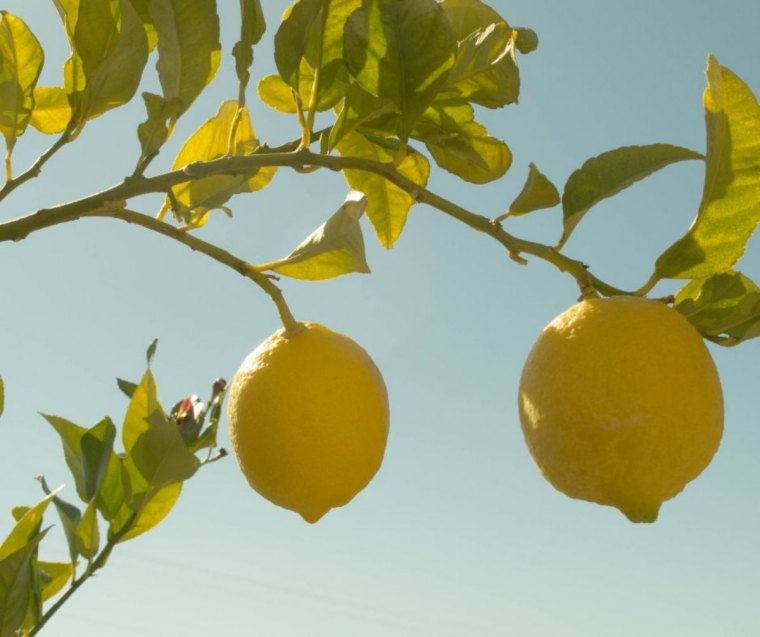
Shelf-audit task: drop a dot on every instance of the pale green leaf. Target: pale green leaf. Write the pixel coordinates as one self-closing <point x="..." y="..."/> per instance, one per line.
<point x="21" y="56"/>
<point x="144" y="408"/>
<point x="724" y="307"/>
<point x="17" y="585"/>
<point x="611" y="172"/>
<point x="387" y="205"/>
<point x="71" y="438"/>
<point x="333" y="249"/>
<point x="485" y="71"/>
<point x="310" y="38"/>
<point x="468" y="16"/>
<point x="252" y="27"/>
<point x="111" y="493"/>
<point x="54" y="576"/>
<point x="537" y="193"/>
<point x="362" y="110"/>
<point x="400" y="51"/>
<point x="211" y="141"/>
<point x="276" y="93"/>
<point x="730" y="207"/>
<point x="26" y="527"/>
<point x="52" y="111"/>
<point x="189" y="51"/>
<point x="461" y="145"/>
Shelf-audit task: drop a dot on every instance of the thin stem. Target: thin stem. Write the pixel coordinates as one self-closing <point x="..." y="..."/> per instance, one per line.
<point x="98" y="563"/>
<point x="36" y="168"/>
<point x="648" y="286"/>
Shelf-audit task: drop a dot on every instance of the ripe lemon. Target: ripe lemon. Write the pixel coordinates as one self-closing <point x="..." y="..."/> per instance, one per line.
<point x="621" y="404"/>
<point x="308" y="420"/>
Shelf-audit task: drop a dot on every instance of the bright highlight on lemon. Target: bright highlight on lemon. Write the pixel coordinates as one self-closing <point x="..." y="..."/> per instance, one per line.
<point x="308" y="420"/>
<point x="621" y="404"/>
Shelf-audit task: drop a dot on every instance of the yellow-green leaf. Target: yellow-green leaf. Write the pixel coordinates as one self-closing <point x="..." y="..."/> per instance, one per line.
<point x="21" y="56"/>
<point x="388" y="205"/>
<point x="724" y="307"/>
<point x="26" y="527"/>
<point x="143" y="10"/>
<point x="333" y="249"/>
<point x="152" y="513"/>
<point x="252" y="27"/>
<point x="276" y="93"/>
<point x="461" y="145"/>
<point x="154" y="131"/>
<point x="537" y="193"/>
<point x="189" y="51"/>
<point x="209" y="142"/>
<point x="468" y="16"/>
<point x="17" y="585"/>
<point x="400" y="51"/>
<point x="730" y="207"/>
<point x="144" y="407"/>
<point x="611" y="172"/>
<point x="361" y="110"/>
<point x="54" y="576"/>
<point x="52" y="111"/>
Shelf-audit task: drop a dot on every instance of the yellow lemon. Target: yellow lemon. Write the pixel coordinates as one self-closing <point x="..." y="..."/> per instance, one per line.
<point x="621" y="404"/>
<point x="308" y="420"/>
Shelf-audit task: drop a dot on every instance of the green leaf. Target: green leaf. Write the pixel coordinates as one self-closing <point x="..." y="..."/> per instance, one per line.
<point x="333" y="249"/>
<point x="26" y="528"/>
<point x="96" y="447"/>
<point x="468" y="16"/>
<point x="52" y="111"/>
<point x="461" y="145"/>
<point x="537" y="193"/>
<point x="252" y="27"/>
<point x="151" y="351"/>
<point x="154" y="131"/>
<point x="71" y="438"/>
<point x="485" y="71"/>
<point x="17" y="585"/>
<point x="207" y="439"/>
<point x="211" y="141"/>
<point x="310" y="39"/>
<point x="362" y="111"/>
<point x="724" y="307"/>
<point x="730" y="207"/>
<point x="88" y="533"/>
<point x="70" y="516"/>
<point x="111" y="493"/>
<point x="143" y="408"/>
<point x="54" y="576"/>
<point x="189" y="51"/>
<point x="401" y="51"/>
<point x="276" y="94"/>
<point x="22" y="57"/>
<point x="611" y="172"/>
<point x="143" y="10"/>
<point x="127" y="388"/>
<point x="109" y="52"/>
<point x="387" y="205"/>
<point x="151" y="514"/>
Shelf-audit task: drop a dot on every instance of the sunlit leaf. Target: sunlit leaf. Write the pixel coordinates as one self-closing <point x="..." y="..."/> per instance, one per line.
<point x="143" y="10"/>
<point x="54" y="576"/>
<point x="724" y="307"/>
<point x="71" y="438"/>
<point x="209" y="142"/>
<point x="468" y="16"/>
<point x="70" y="516"/>
<point x="276" y="93"/>
<point x="461" y="145"/>
<point x="333" y="249"/>
<point x="154" y="131"/>
<point x="189" y="51"/>
<point x="485" y="71"/>
<point x="52" y="111"/>
<point x="388" y="205"/>
<point x="151" y="514"/>
<point x="730" y="207"/>
<point x="207" y="439"/>
<point x="88" y="533"/>
<point x="17" y="585"/>
<point x="537" y="193"/>
<point x="609" y="173"/>
<point x="401" y="51"/>
<point x="26" y="528"/>
<point x="111" y="493"/>
<point x="96" y="447"/>
<point x="310" y="39"/>
<point x="144" y="407"/>
<point x="252" y="27"/>
<point x="360" y="109"/>
<point x="22" y="57"/>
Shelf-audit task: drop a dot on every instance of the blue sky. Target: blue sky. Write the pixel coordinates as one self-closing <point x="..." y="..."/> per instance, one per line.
<point x="458" y="534"/>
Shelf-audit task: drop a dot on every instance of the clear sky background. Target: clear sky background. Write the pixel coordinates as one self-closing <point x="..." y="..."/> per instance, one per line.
<point x="458" y="534"/>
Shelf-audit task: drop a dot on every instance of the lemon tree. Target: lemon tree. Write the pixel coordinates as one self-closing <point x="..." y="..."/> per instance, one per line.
<point x="619" y="401"/>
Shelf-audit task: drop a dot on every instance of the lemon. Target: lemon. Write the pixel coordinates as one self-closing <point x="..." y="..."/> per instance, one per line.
<point x="308" y="420"/>
<point x="621" y="404"/>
